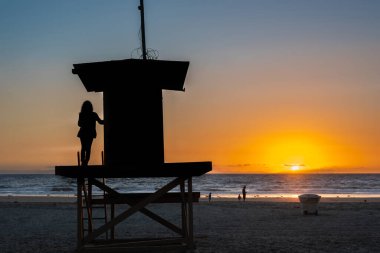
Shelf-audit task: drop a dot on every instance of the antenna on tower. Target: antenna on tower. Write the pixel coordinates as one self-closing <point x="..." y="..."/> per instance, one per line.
<point x="143" y="45"/>
<point x="142" y="51"/>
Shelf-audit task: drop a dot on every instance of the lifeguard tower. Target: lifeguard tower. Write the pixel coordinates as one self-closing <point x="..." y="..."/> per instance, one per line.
<point x="133" y="148"/>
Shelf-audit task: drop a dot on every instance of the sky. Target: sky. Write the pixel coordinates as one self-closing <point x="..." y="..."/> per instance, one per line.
<point x="273" y="86"/>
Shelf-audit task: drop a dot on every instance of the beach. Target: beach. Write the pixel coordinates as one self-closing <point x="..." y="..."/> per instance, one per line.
<point x="48" y="224"/>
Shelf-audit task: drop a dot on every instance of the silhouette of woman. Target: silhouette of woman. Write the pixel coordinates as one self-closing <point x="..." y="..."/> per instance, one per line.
<point x="87" y="132"/>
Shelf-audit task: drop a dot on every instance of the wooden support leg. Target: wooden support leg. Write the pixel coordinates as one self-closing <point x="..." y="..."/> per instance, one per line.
<point x="89" y="206"/>
<point x="112" y="217"/>
<point x="185" y="233"/>
<point x="80" y="234"/>
<point x="190" y="212"/>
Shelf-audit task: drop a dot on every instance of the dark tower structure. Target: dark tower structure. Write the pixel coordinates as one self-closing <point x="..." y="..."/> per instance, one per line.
<point x="133" y="113"/>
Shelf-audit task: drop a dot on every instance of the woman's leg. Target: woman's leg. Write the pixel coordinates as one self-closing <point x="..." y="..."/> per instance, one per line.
<point x="86" y="150"/>
<point x="82" y="151"/>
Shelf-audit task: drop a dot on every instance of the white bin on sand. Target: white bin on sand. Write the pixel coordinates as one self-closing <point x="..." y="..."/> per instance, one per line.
<point x="309" y="203"/>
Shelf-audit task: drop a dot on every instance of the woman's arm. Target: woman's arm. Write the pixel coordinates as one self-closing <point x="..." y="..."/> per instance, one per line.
<point x="99" y="120"/>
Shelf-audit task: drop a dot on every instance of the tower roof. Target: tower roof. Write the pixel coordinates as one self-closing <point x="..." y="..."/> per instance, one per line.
<point x="132" y="74"/>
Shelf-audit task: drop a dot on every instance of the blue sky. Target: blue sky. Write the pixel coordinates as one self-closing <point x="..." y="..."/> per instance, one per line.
<point x="257" y="68"/>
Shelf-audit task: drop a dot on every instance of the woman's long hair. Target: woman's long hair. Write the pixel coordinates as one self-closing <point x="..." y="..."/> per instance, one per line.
<point x="87" y="107"/>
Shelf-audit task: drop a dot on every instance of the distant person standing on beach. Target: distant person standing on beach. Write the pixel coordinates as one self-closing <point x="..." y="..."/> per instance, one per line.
<point x="87" y="132"/>
<point x="209" y="197"/>
<point x="244" y="192"/>
<point x="239" y="197"/>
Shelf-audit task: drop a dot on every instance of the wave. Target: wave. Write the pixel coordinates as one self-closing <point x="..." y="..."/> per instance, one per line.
<point x="217" y="184"/>
<point x="62" y="189"/>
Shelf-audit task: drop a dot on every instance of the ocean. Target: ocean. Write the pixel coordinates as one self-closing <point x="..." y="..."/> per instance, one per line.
<point x="220" y="185"/>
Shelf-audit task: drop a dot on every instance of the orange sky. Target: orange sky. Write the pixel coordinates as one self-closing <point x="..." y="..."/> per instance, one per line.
<point x="268" y="86"/>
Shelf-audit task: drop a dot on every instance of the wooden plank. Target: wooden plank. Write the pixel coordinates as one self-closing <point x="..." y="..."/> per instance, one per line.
<point x="136" y="239"/>
<point x="136" y="245"/>
<point x="185" y="169"/>
<point x="131" y="198"/>
<point x="135" y="249"/>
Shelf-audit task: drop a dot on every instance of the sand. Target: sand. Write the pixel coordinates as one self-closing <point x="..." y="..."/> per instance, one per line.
<point x="30" y="224"/>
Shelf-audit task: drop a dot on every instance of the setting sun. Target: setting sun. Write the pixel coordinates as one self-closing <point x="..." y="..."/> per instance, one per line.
<point x="294" y="167"/>
<point x="292" y="151"/>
